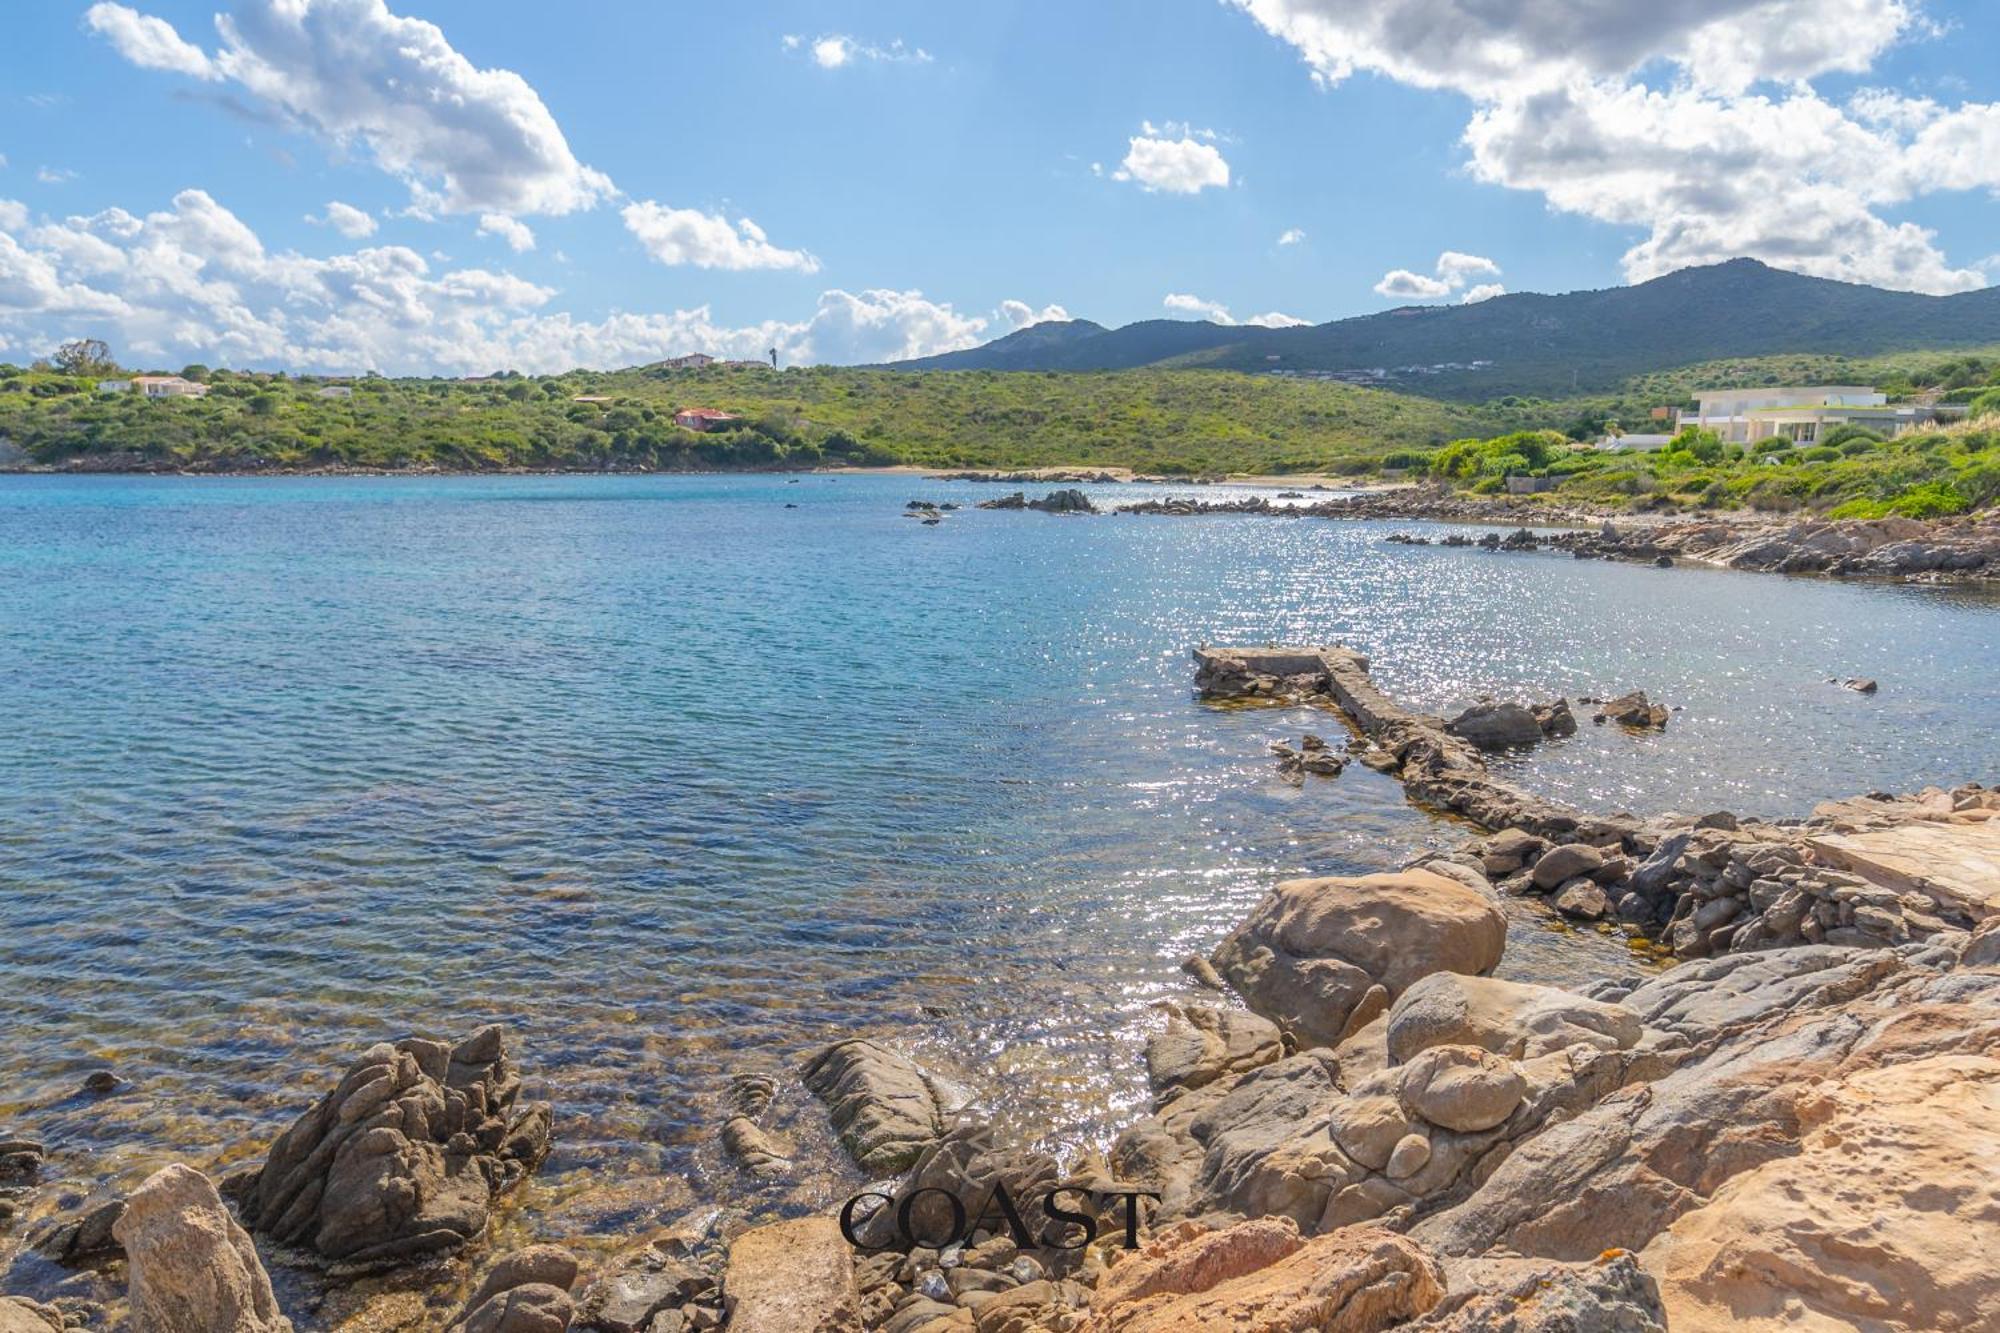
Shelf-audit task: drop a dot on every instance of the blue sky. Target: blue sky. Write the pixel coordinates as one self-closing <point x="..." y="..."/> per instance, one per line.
<point x="542" y="185"/>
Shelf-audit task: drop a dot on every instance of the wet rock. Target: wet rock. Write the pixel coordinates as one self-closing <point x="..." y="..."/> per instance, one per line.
<point x="525" y="1292"/>
<point x="1311" y="950"/>
<point x="1859" y="684"/>
<point x="20" y="1159"/>
<point x="1202" y="1043"/>
<point x="1633" y="710"/>
<point x="968" y="1162"/>
<point x="99" y="1082"/>
<point x="1555" y="719"/>
<point x="885" y="1106"/>
<point x="1464" y="1088"/>
<point x="625" y="1302"/>
<point x="792" y="1277"/>
<point x="1496" y="726"/>
<point x="190" y="1268"/>
<point x="1581" y="898"/>
<point x="755" y="1149"/>
<point x="81" y="1239"/>
<point x="1262" y="1275"/>
<point x="404" y="1158"/>
<point x="1508" y="850"/>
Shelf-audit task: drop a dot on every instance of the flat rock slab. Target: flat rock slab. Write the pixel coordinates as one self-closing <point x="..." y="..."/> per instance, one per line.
<point x="792" y="1277"/>
<point x="1956" y="865"/>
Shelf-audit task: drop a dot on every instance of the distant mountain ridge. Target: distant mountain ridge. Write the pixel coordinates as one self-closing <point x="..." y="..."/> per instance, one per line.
<point x="1526" y="343"/>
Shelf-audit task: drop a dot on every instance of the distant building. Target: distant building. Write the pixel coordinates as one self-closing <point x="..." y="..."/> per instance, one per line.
<point x="692" y="361"/>
<point x="168" y="386"/>
<point x="591" y="398"/>
<point x="114" y="386"/>
<point x="335" y="391"/>
<point x="704" y="418"/>
<point x="1802" y="415"/>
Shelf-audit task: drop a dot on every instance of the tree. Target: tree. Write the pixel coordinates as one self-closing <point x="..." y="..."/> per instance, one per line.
<point x="86" y="357"/>
<point x="195" y="371"/>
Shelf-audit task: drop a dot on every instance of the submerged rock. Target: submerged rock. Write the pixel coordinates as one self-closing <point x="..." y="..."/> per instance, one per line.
<point x="404" y="1158"/>
<point x="1313" y="948"/>
<point x="190" y="1268"/>
<point x="885" y="1106"/>
<point x="1632" y="710"/>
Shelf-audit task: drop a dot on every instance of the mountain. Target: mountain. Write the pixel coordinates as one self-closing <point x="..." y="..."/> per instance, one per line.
<point x="1528" y="343"/>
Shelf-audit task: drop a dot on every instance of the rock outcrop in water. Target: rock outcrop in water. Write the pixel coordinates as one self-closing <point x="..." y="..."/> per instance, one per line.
<point x="525" y="1292"/>
<point x="885" y="1107"/>
<point x="403" y="1160"/>
<point x="1070" y="501"/>
<point x="190" y="1268"/>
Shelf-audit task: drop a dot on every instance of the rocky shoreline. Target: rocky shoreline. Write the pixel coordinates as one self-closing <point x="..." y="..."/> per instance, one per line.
<point x="1359" y="1127"/>
<point x="1960" y="549"/>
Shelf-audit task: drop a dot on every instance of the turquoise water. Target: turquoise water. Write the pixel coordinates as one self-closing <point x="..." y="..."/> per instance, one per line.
<point x="679" y="781"/>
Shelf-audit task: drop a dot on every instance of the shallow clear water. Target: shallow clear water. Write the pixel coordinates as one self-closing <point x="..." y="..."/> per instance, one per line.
<point x="678" y="781"/>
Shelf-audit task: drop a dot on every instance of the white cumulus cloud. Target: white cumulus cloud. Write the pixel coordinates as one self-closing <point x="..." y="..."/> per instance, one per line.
<point x="1454" y="269"/>
<point x="465" y="139"/>
<point x="516" y="233"/>
<point x="708" y="240"/>
<point x="1215" y="312"/>
<point x="1694" y="121"/>
<point x="346" y="219"/>
<point x="1020" y="315"/>
<point x="838" y="50"/>
<point x="1173" y="159"/>
<point x="1291" y="236"/>
<point x="1485" y="291"/>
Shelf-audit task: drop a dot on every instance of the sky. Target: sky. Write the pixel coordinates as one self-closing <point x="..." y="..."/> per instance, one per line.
<point x="463" y="186"/>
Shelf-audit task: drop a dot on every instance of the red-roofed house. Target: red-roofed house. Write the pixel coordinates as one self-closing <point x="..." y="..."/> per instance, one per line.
<point x="704" y="418"/>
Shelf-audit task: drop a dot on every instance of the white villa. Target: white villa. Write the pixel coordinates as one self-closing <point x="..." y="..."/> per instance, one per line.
<point x="168" y="386"/>
<point x="1744" y="416"/>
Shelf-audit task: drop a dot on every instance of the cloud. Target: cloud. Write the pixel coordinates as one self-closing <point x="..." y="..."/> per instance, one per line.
<point x="193" y="282"/>
<point x="1694" y="122"/>
<point x="346" y="219"/>
<point x="1182" y="303"/>
<point x="148" y="42"/>
<point x="54" y="175"/>
<point x="517" y="234"/>
<point x="1017" y="315"/>
<point x="1400" y="282"/>
<point x="1187" y="164"/>
<point x="1290" y="236"/>
<point x="1485" y="291"/>
<point x="464" y="139"/>
<point x="708" y="240"/>
<point x="837" y="50"/>
<point x="1454" y="270"/>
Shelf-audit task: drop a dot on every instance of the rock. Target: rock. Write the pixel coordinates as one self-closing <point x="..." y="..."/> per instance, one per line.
<point x="1886" y="1218"/>
<point x="1506" y="851"/>
<point x="1261" y="1275"/>
<point x="1202" y="1043"/>
<point x="1555" y="719"/>
<point x="81" y="1239"/>
<point x="99" y="1082"/>
<point x="792" y="1277"/>
<point x="755" y="1149"/>
<point x="1461" y="1087"/>
<point x="1860" y="685"/>
<point x="1611" y="1294"/>
<point x="1509" y="1018"/>
<point x="18" y="1314"/>
<point x="1408" y="1157"/>
<point x="1582" y="898"/>
<point x="885" y="1106"/>
<point x="189" y="1267"/>
<point x="626" y="1301"/>
<point x="969" y="1163"/>
<point x="20" y="1159"/>
<point x="525" y="1292"/>
<point x="1632" y="710"/>
<point x="1558" y="865"/>
<point x="1496" y="726"/>
<point x="1311" y="950"/>
<point x="1070" y="501"/>
<point x="402" y="1160"/>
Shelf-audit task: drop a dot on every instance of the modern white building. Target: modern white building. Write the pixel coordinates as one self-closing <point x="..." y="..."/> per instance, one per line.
<point x="168" y="386"/>
<point x="1802" y="414"/>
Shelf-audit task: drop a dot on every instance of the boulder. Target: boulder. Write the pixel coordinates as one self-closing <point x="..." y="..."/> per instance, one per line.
<point x="1632" y="710"/>
<point x="885" y="1106"/>
<point x="1496" y="726"/>
<point x="1464" y="1088"/>
<point x="1312" y="949"/>
<point x="1582" y="899"/>
<point x="1261" y="1275"/>
<point x="404" y="1158"/>
<point x="792" y="1277"/>
<point x="1202" y="1043"/>
<point x="1509" y="1018"/>
<point x="525" y="1292"/>
<point x="189" y="1267"/>
<point x="1555" y="719"/>
<point x="1559" y="865"/>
